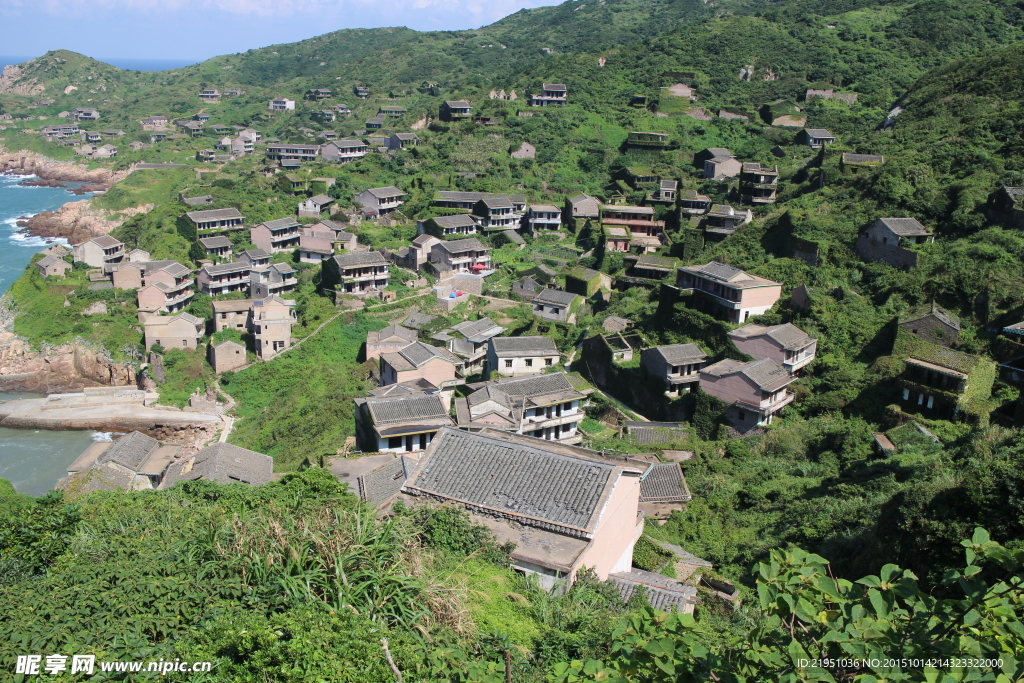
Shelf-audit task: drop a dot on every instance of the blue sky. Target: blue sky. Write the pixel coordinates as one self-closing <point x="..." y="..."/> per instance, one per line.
<point x="199" y="29"/>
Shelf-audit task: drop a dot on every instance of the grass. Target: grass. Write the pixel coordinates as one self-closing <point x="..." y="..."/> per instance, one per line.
<point x="299" y="405"/>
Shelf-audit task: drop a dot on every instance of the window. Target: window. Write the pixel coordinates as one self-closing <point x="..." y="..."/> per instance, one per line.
<point x="395" y="442"/>
<point x="529" y="362"/>
<point x="223" y="316"/>
<point x="508" y="362"/>
<point x="548" y="362"/>
<point x="741" y="415"/>
<point x="184" y="342"/>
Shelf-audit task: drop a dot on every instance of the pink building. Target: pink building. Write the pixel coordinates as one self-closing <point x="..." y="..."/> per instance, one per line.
<point x="420" y="361"/>
<point x="787" y="345"/>
<point x="754" y="391"/>
<point x="727" y="292"/>
<point x="272" y="320"/>
<point x="391" y="339"/>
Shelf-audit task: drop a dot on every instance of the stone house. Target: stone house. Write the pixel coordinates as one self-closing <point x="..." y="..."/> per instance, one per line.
<point x="180" y="331"/>
<point x="462" y="256"/>
<point x="467" y="201"/>
<point x="417" y="254"/>
<point x="314" y="249"/>
<point x="677" y="365"/>
<point x="694" y="203"/>
<point x="943" y="383"/>
<point x="272" y="320"/>
<point x="168" y="289"/>
<point x="471" y="345"/>
<point x="542" y="218"/>
<point x="52" y="266"/>
<point x="419" y="361"/>
<point x="651" y="267"/>
<point x="583" y="206"/>
<point x="815" y="138"/>
<point x="497" y="213"/>
<point x="557" y="306"/>
<point x="232" y="315"/>
<point x="391" y="339"/>
<point x="317" y="94"/>
<point x="665" y="192"/>
<point x="758" y="184"/>
<point x="886" y="240"/>
<point x="291" y="155"/>
<point x="358" y="274"/>
<point x="216" y="220"/>
<point x="616" y="238"/>
<point x="721" y="164"/>
<point x="586" y="281"/>
<point x="455" y="110"/>
<point x="380" y="200"/>
<point x="727" y="292"/>
<point x="276" y="236"/>
<point x="133" y="462"/>
<point x="226" y="356"/>
<point x="223" y="278"/>
<point x="276" y="279"/>
<point x="933" y="324"/>
<point x="402" y="141"/>
<point x="316" y="205"/>
<point x="343" y="151"/>
<point x="1007" y="204"/>
<point x="526" y="288"/>
<point x="518" y="356"/>
<point x="545" y="407"/>
<point x="99" y="252"/>
<point x="552" y="94"/>
<point x="723" y="220"/>
<point x="224" y="463"/>
<point x="644" y="231"/>
<point x="447" y="226"/>
<point x="552" y="542"/>
<point x="400" y="424"/>
<point x="754" y="392"/>
<point x="787" y="344"/>
<point x="219" y="247"/>
<point x="256" y="258"/>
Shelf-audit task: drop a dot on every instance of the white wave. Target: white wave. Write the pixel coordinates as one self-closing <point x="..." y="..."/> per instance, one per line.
<point x="23" y="239"/>
<point x="102" y="436"/>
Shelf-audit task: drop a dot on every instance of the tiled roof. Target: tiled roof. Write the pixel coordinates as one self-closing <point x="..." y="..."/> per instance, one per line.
<point x="256" y="254"/>
<point x="461" y="220"/>
<point x="280" y="223"/>
<point x="478" y="331"/>
<point x="497" y="202"/>
<point x="904" y="226"/>
<point x="468" y="244"/>
<point x="548" y="208"/>
<point x="538" y="385"/>
<point x="557" y="297"/>
<point x="389" y="191"/>
<point x="554" y="86"/>
<point x="48" y="261"/>
<point x="457" y="104"/>
<point x="386" y="411"/>
<point x="530" y="484"/>
<point x="719" y="152"/>
<point x="678" y="354"/>
<point x="627" y="209"/>
<point x="224" y="463"/>
<point x="370" y="258"/>
<point x="664" y="483"/>
<point x="656" y="262"/>
<point x="131" y="451"/>
<point x="105" y="242"/>
<point x="386" y="481"/>
<point x="213" y="215"/>
<point x="456" y="196"/>
<point x="947" y="358"/>
<point x="765" y="373"/>
<point x="393" y="331"/>
<point x="523" y="346"/>
<point x="225" y="268"/>
<point x="652" y="433"/>
<point x="232" y="306"/>
<point x="215" y="242"/>
<point x="788" y="335"/>
<point x="817" y="133"/>
<point x="415" y="355"/>
<point x="662" y="592"/>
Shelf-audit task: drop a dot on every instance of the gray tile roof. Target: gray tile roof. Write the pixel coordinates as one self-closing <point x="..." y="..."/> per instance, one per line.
<point x="382" y="192"/>
<point x="48" y="261"/>
<point x="224" y="463"/>
<point x="468" y="244"/>
<point x="213" y="215"/>
<point x="765" y="373"/>
<point x="478" y="331"/>
<point x="105" y="241"/>
<point x="817" y="133"/>
<point x="678" y="354"/>
<point x="662" y="592"/>
<point x="386" y="481"/>
<point x="664" y="483"/>
<point x="719" y="152"/>
<point x="789" y="336"/>
<point x="523" y="346"/>
<point x="457" y="104"/>
<point x="393" y="331"/>
<point x="280" y="223"/>
<point x="656" y="262"/>
<point x="370" y="258"/>
<point x="456" y="196"/>
<point x="215" y="242"/>
<point x="538" y="385"/>
<point x="256" y="254"/>
<point x="96" y="478"/>
<point x="416" y="354"/>
<point x="403" y="409"/>
<point x="225" y="268"/>
<point x="557" y="297"/>
<point x="530" y="484"/>
<point x="653" y="433"/>
<point x="131" y="451"/>
<point x="497" y="202"/>
<point x="461" y="220"/>
<point x="904" y="226"/>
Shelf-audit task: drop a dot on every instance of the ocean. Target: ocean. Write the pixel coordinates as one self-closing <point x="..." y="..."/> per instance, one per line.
<point x="33" y="460"/>
<point x="126" y="63"/>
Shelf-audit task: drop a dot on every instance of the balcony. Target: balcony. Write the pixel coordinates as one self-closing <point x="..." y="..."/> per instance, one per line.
<point x="799" y="360"/>
<point x="542" y="421"/>
<point x="770" y="406"/>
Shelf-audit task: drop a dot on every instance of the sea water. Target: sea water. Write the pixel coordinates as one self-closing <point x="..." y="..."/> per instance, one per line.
<point x="33" y="460"/>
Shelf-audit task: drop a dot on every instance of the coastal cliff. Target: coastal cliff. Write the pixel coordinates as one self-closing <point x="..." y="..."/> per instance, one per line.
<point x="30" y="163"/>
<point x="77" y="221"/>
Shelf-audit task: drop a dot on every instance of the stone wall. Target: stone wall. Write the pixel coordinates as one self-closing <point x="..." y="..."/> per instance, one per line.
<point x="886" y="253"/>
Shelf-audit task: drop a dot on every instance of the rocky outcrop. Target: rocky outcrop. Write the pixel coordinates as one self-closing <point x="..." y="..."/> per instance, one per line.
<point x="36" y="164"/>
<point x="68" y="367"/>
<point x="77" y="221"/>
<point x="12" y="82"/>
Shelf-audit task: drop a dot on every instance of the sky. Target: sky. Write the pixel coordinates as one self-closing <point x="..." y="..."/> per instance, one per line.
<point x="200" y="29"/>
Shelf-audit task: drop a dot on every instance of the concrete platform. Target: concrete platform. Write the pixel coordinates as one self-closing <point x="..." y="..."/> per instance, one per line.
<point x="96" y="414"/>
